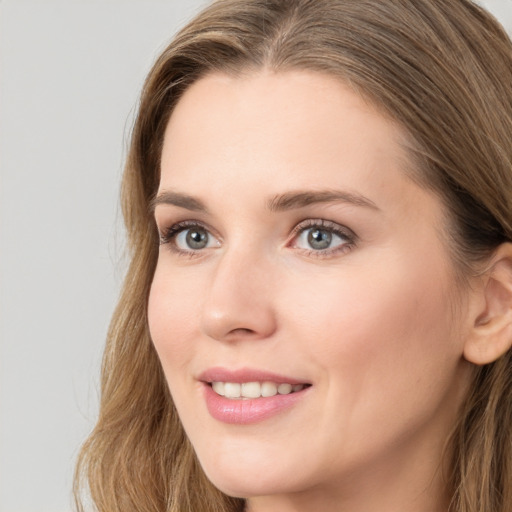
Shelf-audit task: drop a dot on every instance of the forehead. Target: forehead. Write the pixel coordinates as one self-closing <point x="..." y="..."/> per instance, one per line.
<point x="273" y="119"/>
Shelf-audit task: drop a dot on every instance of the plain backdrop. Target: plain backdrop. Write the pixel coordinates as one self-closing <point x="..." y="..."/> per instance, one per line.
<point x="70" y="75"/>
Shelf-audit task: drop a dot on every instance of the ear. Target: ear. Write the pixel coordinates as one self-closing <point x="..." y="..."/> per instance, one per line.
<point x="491" y="334"/>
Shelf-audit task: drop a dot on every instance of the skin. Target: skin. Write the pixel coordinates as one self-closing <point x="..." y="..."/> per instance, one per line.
<point x="376" y="323"/>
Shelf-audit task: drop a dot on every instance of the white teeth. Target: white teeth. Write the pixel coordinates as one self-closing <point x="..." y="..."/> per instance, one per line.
<point x="218" y="387"/>
<point x="254" y="389"/>
<point x="268" y="389"/>
<point x="251" y="390"/>
<point x="232" y="390"/>
<point x="284" y="389"/>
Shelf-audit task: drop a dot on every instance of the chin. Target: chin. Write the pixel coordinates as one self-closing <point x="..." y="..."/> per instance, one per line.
<point x="243" y="479"/>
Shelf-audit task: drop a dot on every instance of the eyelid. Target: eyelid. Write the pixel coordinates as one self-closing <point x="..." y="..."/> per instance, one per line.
<point x="168" y="235"/>
<point x="338" y="229"/>
<point x="323" y="223"/>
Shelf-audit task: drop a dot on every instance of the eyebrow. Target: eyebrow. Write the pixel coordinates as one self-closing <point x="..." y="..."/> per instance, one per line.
<point x="300" y="199"/>
<point x="279" y="203"/>
<point x="178" y="199"/>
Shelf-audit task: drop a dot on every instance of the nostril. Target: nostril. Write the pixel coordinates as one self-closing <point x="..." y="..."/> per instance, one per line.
<point x="242" y="330"/>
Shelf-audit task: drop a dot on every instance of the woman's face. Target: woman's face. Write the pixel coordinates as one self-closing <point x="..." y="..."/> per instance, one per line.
<point x="297" y="255"/>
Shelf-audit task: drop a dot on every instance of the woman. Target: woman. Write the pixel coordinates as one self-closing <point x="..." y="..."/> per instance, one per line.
<point x="318" y="311"/>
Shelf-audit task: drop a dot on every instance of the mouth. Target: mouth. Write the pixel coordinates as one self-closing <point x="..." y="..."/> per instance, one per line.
<point x="247" y="396"/>
<point x="254" y="390"/>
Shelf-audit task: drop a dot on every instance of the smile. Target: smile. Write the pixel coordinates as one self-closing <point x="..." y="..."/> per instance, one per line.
<point x="252" y="390"/>
<point x="248" y="395"/>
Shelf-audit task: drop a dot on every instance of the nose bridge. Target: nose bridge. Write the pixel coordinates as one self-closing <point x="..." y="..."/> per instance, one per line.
<point x="238" y="301"/>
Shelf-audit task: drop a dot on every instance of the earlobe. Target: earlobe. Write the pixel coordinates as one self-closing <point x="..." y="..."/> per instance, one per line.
<point x="491" y="334"/>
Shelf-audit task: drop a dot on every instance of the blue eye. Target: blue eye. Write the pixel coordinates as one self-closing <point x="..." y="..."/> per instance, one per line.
<point x="322" y="236"/>
<point x="193" y="238"/>
<point x="187" y="237"/>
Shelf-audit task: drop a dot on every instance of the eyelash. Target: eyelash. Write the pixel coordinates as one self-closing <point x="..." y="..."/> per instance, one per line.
<point x="347" y="235"/>
<point x="168" y="237"/>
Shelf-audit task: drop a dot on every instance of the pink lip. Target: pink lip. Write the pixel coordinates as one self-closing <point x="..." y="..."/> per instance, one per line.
<point x="243" y="412"/>
<point x="219" y="374"/>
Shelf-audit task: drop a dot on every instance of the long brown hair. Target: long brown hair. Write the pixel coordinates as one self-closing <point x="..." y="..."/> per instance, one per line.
<point x="441" y="68"/>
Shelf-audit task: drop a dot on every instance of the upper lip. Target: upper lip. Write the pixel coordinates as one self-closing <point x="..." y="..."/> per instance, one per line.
<point x="219" y="374"/>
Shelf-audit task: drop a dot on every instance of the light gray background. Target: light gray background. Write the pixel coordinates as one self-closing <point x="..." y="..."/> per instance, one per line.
<point x="70" y="76"/>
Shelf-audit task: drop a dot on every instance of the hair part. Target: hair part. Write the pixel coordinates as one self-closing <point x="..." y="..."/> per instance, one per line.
<point x="442" y="70"/>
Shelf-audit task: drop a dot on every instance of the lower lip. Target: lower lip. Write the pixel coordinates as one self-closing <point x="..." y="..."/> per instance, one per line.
<point x="252" y="410"/>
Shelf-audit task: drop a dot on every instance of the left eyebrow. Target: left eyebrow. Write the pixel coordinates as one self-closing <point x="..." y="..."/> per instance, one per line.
<point x="177" y="199"/>
<point x="302" y="198"/>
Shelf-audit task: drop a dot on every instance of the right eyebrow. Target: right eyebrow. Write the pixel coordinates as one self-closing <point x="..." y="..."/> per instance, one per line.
<point x="177" y="199"/>
<point x="302" y="198"/>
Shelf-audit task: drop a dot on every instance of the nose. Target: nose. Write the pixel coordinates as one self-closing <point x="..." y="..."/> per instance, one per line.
<point x="239" y="299"/>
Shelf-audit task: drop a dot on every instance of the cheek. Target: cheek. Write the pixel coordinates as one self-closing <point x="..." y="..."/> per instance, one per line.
<point x="382" y="335"/>
<point x="172" y="311"/>
<point x="361" y="309"/>
<point x="386" y="356"/>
